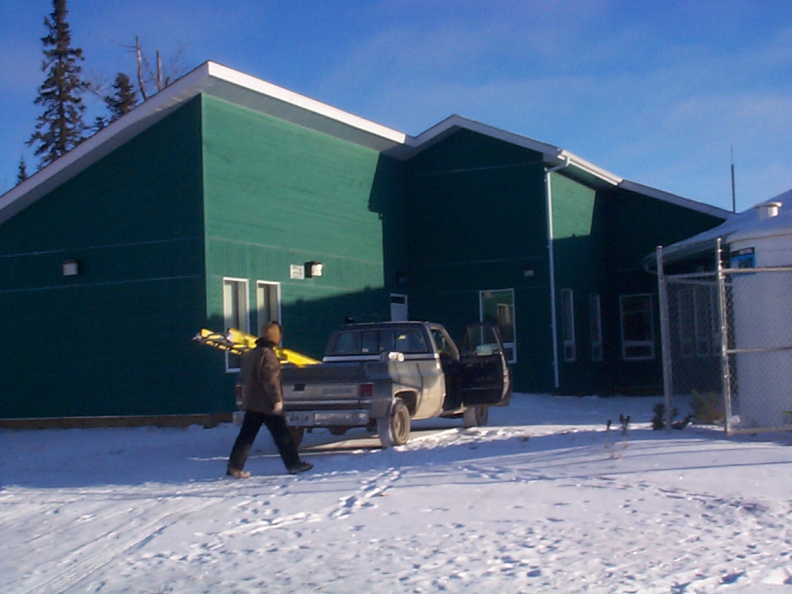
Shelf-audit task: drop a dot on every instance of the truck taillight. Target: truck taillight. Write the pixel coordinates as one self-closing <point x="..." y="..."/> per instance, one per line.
<point x="366" y="390"/>
<point x="239" y="395"/>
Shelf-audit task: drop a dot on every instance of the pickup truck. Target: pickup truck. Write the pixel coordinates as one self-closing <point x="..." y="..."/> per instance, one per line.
<point x="383" y="376"/>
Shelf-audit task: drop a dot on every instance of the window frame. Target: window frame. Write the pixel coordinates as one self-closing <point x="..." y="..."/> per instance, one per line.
<point x="595" y="327"/>
<point x="646" y="343"/>
<point x="271" y="287"/>
<point x="569" y="346"/>
<point x="240" y="288"/>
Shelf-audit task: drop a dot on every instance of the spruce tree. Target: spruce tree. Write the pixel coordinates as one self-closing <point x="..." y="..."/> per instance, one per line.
<point x="60" y="128"/>
<point x="22" y="173"/>
<point x="123" y="100"/>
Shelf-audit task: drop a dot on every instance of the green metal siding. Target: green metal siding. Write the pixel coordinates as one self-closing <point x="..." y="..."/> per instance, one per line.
<point x="476" y="208"/>
<point x="634" y="225"/>
<point x="113" y="340"/>
<point x="580" y="267"/>
<point x="278" y="195"/>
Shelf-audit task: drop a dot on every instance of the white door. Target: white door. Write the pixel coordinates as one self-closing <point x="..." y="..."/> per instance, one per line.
<point x="399" y="308"/>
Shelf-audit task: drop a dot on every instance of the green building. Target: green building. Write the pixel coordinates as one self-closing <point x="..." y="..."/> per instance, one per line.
<point x="225" y="201"/>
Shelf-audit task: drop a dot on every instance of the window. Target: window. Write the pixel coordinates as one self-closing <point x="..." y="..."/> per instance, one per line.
<point x="497" y="308"/>
<point x="444" y="344"/>
<point x="267" y="303"/>
<point x="374" y="342"/>
<point x="235" y="313"/>
<point x="568" y="324"/>
<point x="637" y="334"/>
<point x="595" y="329"/>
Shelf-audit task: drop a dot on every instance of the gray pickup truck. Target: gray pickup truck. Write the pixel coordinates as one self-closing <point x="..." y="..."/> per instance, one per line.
<point x="383" y="376"/>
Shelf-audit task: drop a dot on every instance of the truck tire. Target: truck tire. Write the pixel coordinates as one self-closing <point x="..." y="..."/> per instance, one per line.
<point x="394" y="429"/>
<point x="476" y="416"/>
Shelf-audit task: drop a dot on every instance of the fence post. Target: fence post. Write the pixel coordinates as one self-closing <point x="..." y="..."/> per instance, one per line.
<point x="665" y="339"/>
<point x="724" y="346"/>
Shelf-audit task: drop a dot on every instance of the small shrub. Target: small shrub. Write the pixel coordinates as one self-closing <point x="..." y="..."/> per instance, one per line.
<point x="658" y="421"/>
<point x="707" y="408"/>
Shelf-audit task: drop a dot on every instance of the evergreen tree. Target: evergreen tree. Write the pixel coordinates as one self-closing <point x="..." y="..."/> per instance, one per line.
<point x="99" y="123"/>
<point x="60" y="128"/>
<point x="123" y="100"/>
<point x="22" y="173"/>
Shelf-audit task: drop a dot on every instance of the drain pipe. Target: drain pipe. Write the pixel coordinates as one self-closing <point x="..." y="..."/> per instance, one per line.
<point x="551" y="260"/>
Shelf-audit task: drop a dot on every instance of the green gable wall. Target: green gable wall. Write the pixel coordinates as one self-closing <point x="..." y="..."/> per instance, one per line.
<point x="634" y="225"/>
<point x="114" y="340"/>
<point x="277" y="195"/>
<point x="476" y="212"/>
<point x="580" y="266"/>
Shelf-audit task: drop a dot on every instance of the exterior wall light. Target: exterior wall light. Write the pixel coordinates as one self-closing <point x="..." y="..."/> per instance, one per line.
<point x="313" y="269"/>
<point x="71" y="267"/>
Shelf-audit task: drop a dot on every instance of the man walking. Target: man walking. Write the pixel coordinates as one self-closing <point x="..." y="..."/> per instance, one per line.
<point x="262" y="401"/>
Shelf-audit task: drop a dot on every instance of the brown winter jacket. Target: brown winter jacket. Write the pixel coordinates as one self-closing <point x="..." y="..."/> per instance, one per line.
<point x="260" y="379"/>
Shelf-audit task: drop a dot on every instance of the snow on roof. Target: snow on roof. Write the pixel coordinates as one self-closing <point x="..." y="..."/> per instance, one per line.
<point x="253" y="93"/>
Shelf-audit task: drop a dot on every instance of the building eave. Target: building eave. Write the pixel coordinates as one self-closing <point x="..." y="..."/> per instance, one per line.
<point x="217" y="81"/>
<point x="701" y="207"/>
<point x="552" y="156"/>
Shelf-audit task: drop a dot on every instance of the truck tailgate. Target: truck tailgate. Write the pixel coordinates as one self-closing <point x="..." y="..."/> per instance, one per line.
<point x="325" y="385"/>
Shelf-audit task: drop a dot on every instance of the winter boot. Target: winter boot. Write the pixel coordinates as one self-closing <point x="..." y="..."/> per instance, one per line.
<point x="301" y="467"/>
<point x="237" y="473"/>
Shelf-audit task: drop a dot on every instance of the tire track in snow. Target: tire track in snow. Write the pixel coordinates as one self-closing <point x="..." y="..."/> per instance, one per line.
<point x="104" y="549"/>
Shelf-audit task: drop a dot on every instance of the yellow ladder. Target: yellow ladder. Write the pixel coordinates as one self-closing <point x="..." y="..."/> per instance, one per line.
<point x="237" y="342"/>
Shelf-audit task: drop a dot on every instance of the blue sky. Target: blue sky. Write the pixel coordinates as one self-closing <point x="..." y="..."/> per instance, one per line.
<point x="658" y="92"/>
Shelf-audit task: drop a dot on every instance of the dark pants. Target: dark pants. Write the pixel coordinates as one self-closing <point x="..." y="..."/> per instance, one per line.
<point x="247" y="435"/>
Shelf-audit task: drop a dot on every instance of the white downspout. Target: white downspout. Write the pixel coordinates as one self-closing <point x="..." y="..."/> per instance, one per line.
<point x="551" y="259"/>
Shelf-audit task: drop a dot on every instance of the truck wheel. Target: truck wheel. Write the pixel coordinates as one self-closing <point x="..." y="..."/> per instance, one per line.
<point x="476" y="416"/>
<point x="335" y="430"/>
<point x="395" y="428"/>
<point x="297" y="434"/>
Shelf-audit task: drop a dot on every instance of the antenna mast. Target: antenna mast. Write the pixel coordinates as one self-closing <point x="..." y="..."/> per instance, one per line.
<point x="734" y="196"/>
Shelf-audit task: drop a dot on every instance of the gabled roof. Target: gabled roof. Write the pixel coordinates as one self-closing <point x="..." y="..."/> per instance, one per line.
<point x="552" y="156"/>
<point x="244" y="90"/>
<point x="214" y="80"/>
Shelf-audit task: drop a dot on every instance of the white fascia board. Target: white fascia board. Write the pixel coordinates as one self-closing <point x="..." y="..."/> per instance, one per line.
<point x="100" y="144"/>
<point x="302" y="102"/>
<point x="674" y="199"/>
<point x="210" y="78"/>
<point x="438" y="131"/>
<point x="552" y="155"/>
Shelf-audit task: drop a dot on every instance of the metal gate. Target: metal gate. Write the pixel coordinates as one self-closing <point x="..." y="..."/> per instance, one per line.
<point x="727" y="346"/>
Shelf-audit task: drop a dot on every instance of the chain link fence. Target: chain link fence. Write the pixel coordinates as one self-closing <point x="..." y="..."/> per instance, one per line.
<point x="727" y="346"/>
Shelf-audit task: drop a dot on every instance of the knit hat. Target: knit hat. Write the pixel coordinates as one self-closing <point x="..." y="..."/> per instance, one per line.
<point x="271" y="332"/>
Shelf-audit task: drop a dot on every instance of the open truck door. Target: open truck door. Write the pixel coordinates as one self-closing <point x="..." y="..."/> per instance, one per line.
<point x="485" y="376"/>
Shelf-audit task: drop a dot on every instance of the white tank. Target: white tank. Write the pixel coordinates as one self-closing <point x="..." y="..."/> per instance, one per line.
<point x="763" y="318"/>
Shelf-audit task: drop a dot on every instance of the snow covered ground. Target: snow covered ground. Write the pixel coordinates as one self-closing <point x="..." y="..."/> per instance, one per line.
<point x="544" y="499"/>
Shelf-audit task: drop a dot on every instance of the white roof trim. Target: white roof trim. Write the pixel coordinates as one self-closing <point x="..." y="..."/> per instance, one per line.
<point x="552" y="155"/>
<point x="674" y="199"/>
<point x="242" y="89"/>
<point x="301" y="101"/>
<point x="215" y="80"/>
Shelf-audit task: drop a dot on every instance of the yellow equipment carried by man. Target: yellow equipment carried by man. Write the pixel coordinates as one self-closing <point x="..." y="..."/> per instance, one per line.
<point x="237" y="342"/>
